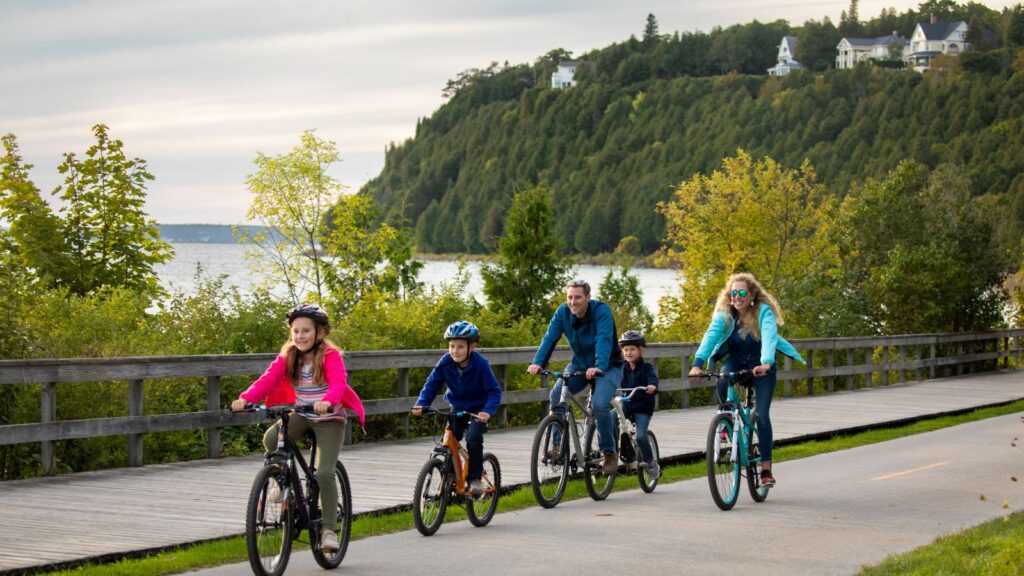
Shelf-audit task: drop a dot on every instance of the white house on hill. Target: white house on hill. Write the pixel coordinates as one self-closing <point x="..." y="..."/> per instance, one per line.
<point x="787" y="57"/>
<point x="931" y="39"/>
<point x="565" y="75"/>
<point x="854" y="50"/>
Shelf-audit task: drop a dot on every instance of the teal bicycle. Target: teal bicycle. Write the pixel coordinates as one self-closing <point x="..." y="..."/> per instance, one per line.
<point x="732" y="448"/>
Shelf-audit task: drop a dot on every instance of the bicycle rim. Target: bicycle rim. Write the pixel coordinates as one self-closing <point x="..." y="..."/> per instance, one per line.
<point x="549" y="458"/>
<point x="342" y="526"/>
<point x="481" y="509"/>
<point x="431" y="497"/>
<point x="722" y="462"/>
<point x="598" y="485"/>
<point x="268" y="523"/>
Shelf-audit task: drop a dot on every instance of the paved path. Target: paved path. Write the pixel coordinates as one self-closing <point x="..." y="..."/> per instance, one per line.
<point x="94" y="514"/>
<point x="829" y="514"/>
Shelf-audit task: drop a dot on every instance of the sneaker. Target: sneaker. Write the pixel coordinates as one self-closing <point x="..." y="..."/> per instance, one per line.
<point x="476" y="488"/>
<point x="274" y="492"/>
<point x="554" y="453"/>
<point x="329" y="541"/>
<point x="653" y="470"/>
<point x="767" y="480"/>
<point x="610" y="465"/>
<point x="723" y="435"/>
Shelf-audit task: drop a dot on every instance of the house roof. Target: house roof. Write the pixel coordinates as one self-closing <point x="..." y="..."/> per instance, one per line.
<point x="567" y="63"/>
<point x="791" y="43"/>
<point x="940" y="30"/>
<point x="880" y="41"/>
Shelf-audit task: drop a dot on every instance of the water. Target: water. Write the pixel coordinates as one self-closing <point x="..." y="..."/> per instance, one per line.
<point x="227" y="259"/>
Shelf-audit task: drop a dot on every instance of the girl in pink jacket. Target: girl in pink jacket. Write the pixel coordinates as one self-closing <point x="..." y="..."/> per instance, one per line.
<point x="310" y="371"/>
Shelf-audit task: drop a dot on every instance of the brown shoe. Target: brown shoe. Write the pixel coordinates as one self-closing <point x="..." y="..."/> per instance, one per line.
<point x="610" y="465"/>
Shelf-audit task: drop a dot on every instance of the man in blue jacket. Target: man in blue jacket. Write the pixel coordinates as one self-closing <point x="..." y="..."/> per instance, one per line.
<point x="589" y="327"/>
<point x="471" y="388"/>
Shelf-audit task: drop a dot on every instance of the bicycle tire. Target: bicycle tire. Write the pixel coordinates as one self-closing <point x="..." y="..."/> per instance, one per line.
<point x="549" y="473"/>
<point x="757" y="492"/>
<point x="429" y="502"/>
<point x="646" y="484"/>
<point x="723" y="464"/>
<point x="342" y="526"/>
<point x="268" y="524"/>
<point x="481" y="510"/>
<point x="598" y="485"/>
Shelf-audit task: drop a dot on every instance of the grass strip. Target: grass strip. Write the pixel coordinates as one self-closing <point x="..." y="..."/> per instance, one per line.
<point x="232" y="550"/>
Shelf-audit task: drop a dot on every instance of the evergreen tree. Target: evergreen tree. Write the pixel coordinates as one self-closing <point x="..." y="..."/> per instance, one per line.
<point x="651" y="31"/>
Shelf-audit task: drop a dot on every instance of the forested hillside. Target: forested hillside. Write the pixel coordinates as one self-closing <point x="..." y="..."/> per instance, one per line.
<point x="649" y="113"/>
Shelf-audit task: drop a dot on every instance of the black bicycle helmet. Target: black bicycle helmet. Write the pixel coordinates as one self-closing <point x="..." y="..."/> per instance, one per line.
<point x="462" y="330"/>
<point x="632" y="338"/>
<point x="311" y="311"/>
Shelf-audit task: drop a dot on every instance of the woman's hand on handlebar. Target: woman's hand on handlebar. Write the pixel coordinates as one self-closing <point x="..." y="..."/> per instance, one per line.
<point x="762" y="369"/>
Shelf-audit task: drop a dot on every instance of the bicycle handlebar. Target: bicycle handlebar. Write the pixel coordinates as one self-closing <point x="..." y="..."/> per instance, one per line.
<point x="276" y="410"/>
<point x="730" y="375"/>
<point x="446" y="413"/>
<point x="562" y="375"/>
<point x="631" y="391"/>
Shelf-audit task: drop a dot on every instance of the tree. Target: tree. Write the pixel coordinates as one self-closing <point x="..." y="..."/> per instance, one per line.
<point x="750" y="216"/>
<point x="109" y="240"/>
<point x="621" y="290"/>
<point x="816" y="45"/>
<point x="921" y="253"/>
<point x="651" y="31"/>
<point x="530" y="266"/>
<point x="317" y="241"/>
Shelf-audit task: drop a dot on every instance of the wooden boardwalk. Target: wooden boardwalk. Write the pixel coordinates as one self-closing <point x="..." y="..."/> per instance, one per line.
<point x="66" y="518"/>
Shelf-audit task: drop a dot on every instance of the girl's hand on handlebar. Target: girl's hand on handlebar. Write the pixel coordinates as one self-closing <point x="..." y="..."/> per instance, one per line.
<point x="322" y="407"/>
<point x="696" y="371"/>
<point x="238" y="405"/>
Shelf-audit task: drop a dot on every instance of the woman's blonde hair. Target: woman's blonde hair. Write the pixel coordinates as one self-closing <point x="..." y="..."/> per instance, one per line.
<point x="293" y="356"/>
<point x="757" y="295"/>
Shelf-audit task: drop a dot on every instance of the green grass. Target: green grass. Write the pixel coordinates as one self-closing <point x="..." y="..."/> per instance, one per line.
<point x="1000" y="541"/>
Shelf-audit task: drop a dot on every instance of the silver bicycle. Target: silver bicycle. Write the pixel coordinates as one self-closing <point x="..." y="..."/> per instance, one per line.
<point x="629" y="448"/>
<point x="564" y="445"/>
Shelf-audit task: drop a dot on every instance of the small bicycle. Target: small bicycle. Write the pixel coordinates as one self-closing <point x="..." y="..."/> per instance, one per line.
<point x="442" y="480"/>
<point x="285" y="500"/>
<point x="629" y="449"/>
<point x="732" y="446"/>
<point x="550" y="459"/>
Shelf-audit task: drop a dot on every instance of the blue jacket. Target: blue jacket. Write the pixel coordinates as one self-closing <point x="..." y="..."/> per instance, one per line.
<point x="722" y="325"/>
<point x="592" y="338"/>
<point x="643" y="375"/>
<point x="473" y="388"/>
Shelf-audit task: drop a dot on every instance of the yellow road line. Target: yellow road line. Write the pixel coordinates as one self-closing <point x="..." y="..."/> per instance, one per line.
<point x="905" y="472"/>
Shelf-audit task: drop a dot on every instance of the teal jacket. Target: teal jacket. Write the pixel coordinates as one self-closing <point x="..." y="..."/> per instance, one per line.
<point x="722" y="324"/>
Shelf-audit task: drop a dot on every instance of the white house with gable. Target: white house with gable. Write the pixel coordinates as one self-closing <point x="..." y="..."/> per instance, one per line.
<point x="564" y="76"/>
<point x="787" y="57"/>
<point x="931" y="39"/>
<point x="850" y="51"/>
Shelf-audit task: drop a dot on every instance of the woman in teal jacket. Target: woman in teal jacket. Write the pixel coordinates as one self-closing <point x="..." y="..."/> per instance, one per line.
<point x="744" y="331"/>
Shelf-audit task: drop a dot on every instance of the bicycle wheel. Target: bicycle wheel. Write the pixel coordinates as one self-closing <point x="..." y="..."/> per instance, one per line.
<point x="598" y="485"/>
<point x="342" y="526"/>
<point x="549" y="470"/>
<point x="481" y="510"/>
<point x="268" y="523"/>
<point x="723" y="465"/>
<point x="433" y="485"/>
<point x="757" y="492"/>
<point x="646" y="484"/>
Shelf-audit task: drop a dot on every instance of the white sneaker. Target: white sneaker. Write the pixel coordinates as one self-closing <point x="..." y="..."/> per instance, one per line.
<point x="653" y="470"/>
<point x="476" y="488"/>
<point x="328" y="541"/>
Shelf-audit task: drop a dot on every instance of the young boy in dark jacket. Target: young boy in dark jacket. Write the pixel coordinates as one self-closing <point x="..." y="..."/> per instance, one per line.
<point x="636" y="373"/>
<point x="472" y="387"/>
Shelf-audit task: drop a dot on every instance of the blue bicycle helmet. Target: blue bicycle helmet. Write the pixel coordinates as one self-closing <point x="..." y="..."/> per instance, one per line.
<point x="462" y="330"/>
<point x="632" y="338"/>
<point x="311" y="311"/>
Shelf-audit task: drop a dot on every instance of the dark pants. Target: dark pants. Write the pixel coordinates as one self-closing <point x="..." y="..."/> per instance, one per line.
<point x="764" y="388"/>
<point x="474" y="444"/>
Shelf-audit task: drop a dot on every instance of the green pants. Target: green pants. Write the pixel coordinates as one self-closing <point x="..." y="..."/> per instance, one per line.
<point x="330" y="434"/>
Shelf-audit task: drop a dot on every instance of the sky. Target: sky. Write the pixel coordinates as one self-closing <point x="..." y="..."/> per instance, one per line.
<point x="198" y="87"/>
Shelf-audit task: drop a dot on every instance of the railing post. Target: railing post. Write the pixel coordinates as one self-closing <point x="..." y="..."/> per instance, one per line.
<point x="47" y="413"/>
<point x="787" y="384"/>
<point x="931" y="355"/>
<point x="135" y="409"/>
<point x="544" y="404"/>
<point x="885" y="364"/>
<point x="212" y="405"/>
<point x="403" y="391"/>
<point x="810" y="366"/>
<point x="1004" y="353"/>
<point x="960" y="358"/>
<point x="850" y="378"/>
<point x="684" y="396"/>
<point x="901" y="356"/>
<point x="502" y="376"/>
<point x="830" y="362"/>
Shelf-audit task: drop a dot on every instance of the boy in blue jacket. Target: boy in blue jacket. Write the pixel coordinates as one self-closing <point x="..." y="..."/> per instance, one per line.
<point x="635" y="373"/>
<point x="471" y="388"/>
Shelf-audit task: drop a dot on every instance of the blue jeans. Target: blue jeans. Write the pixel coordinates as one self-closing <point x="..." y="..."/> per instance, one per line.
<point x="642" y="421"/>
<point x="764" y="388"/>
<point x="604" y="389"/>
<point x="474" y="444"/>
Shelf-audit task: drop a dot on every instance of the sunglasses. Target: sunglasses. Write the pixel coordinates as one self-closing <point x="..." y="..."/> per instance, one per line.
<point x="740" y="293"/>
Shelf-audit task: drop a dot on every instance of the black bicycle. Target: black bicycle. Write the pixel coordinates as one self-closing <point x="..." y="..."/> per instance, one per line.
<point x="285" y="500"/>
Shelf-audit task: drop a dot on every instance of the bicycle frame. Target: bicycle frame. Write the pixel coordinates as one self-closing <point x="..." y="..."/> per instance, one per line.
<point x="626" y="427"/>
<point x="450" y="447"/>
<point x="287" y="456"/>
<point x="570" y="418"/>
<point x="742" y="413"/>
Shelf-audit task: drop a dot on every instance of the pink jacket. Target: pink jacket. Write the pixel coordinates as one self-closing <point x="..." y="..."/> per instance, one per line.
<point x="275" y="387"/>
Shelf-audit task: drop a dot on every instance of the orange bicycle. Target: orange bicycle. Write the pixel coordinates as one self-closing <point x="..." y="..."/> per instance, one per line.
<point x="443" y="480"/>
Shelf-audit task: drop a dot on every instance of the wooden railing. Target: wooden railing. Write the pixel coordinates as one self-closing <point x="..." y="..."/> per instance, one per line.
<point x="846" y="362"/>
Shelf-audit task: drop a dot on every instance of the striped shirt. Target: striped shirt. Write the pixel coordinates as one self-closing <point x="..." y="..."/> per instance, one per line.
<point x="308" y="393"/>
